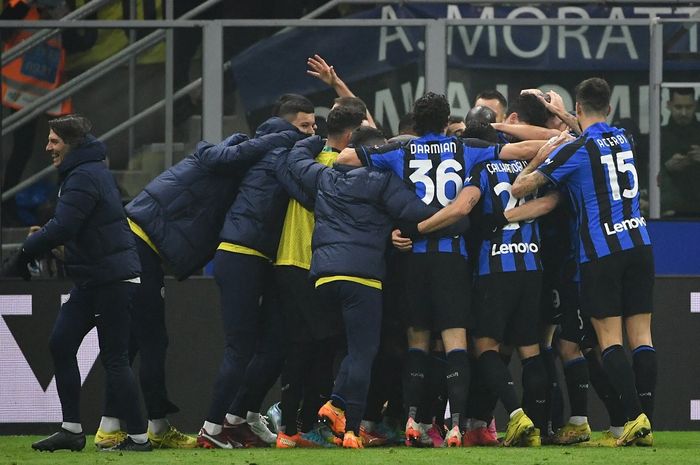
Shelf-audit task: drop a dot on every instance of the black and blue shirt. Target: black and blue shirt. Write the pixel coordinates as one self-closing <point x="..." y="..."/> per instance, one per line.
<point x="599" y="171"/>
<point x="435" y="166"/>
<point x="516" y="246"/>
<point x="559" y="239"/>
<point x="558" y="245"/>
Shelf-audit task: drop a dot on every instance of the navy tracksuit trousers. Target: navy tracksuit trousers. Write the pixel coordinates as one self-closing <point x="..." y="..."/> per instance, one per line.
<point x="254" y="330"/>
<point x="361" y="307"/>
<point x="149" y="336"/>
<point x="107" y="308"/>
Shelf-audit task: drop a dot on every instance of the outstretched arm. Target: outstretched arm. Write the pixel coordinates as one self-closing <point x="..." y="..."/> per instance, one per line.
<point x="318" y="68"/>
<point x="238" y="156"/>
<point x="533" y="208"/>
<point x="525" y="150"/>
<point x="301" y="168"/>
<point x="529" y="180"/>
<point x="525" y="131"/>
<point x="348" y="156"/>
<point x="556" y="106"/>
<point x="459" y="208"/>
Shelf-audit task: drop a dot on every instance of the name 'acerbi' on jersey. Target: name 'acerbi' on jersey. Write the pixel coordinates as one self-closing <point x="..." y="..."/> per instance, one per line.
<point x="433" y="149"/>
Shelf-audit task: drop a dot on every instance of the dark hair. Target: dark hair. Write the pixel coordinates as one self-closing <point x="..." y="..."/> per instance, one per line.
<point x="355" y="103"/>
<point x="492" y="94"/>
<point x="291" y="104"/>
<point x="593" y="95"/>
<point x="321" y="127"/>
<point x="431" y="113"/>
<point x="480" y="113"/>
<point x="530" y="110"/>
<point x="480" y="130"/>
<point x="71" y="128"/>
<point x="682" y="91"/>
<point x="275" y="111"/>
<point x="455" y="119"/>
<point x="407" y="124"/>
<point x="341" y="119"/>
<point x="367" y="135"/>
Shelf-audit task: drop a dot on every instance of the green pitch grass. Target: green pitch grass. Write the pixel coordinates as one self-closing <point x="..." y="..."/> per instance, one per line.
<point x="670" y="449"/>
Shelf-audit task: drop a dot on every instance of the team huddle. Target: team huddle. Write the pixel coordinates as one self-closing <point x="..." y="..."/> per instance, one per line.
<point x="419" y="264"/>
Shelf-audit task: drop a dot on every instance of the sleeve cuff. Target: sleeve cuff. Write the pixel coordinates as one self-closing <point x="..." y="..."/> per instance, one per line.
<point x="362" y="156"/>
<point x="548" y="176"/>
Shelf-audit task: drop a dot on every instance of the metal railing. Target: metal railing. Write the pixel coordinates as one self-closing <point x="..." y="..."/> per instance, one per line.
<point x="40" y="36"/>
<point x="435" y="64"/>
<point x="71" y="87"/>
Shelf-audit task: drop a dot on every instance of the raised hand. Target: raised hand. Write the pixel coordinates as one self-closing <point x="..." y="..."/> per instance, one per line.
<point x="318" y="68"/>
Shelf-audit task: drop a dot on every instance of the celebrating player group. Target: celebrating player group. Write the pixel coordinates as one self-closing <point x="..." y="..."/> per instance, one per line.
<point x="385" y="283"/>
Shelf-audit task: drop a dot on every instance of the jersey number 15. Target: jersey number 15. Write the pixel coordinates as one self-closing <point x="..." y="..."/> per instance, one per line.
<point x="622" y="167"/>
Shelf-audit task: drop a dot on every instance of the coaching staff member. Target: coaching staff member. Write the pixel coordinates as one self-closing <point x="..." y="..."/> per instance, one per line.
<point x="101" y="258"/>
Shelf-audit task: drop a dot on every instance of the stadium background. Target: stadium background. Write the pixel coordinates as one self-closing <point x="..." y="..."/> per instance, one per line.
<point x="387" y="68"/>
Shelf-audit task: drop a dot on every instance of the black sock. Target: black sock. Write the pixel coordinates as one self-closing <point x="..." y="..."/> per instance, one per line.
<point x="621" y="376"/>
<point x="535" y="389"/>
<point x="486" y="403"/>
<point x="481" y="400"/>
<point x="605" y="390"/>
<point x="474" y="388"/>
<point x="435" y="393"/>
<point x="417" y="363"/>
<point x="505" y="357"/>
<point x="644" y="359"/>
<point x="498" y="379"/>
<point x="576" y="374"/>
<point x="457" y="377"/>
<point x="554" y="400"/>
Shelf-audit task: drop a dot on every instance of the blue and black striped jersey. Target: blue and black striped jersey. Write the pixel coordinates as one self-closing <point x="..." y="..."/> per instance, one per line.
<point x="435" y="166"/>
<point x="515" y="247"/>
<point x="599" y="171"/>
<point x="503" y="138"/>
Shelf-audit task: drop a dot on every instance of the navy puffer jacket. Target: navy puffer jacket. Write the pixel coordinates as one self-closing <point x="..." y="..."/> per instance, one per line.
<point x="182" y="209"/>
<point x="89" y="221"/>
<point x="256" y="217"/>
<point x="354" y="211"/>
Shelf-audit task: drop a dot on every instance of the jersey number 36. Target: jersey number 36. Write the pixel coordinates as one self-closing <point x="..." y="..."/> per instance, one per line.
<point x="447" y="172"/>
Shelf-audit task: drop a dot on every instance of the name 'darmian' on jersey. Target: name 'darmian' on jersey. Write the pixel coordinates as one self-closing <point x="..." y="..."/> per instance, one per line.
<point x="434" y="148"/>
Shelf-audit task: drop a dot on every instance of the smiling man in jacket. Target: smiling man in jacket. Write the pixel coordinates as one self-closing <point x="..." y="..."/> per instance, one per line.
<point x="106" y="276"/>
